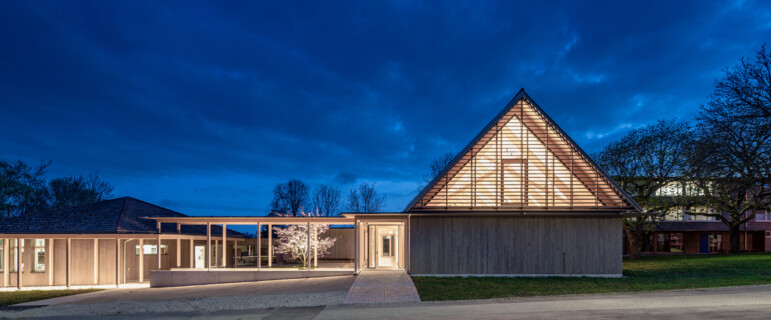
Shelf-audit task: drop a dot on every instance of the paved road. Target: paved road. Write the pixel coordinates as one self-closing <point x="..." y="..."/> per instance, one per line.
<point x="749" y="302"/>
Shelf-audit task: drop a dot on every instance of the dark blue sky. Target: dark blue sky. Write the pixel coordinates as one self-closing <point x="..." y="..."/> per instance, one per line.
<point x="203" y="108"/>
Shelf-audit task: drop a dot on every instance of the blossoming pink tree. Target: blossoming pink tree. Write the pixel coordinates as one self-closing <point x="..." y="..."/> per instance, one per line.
<point x="293" y="239"/>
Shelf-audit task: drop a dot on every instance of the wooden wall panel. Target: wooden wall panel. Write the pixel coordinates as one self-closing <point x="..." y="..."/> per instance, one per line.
<point x="515" y="245"/>
<point x="106" y="261"/>
<point x="344" y="246"/>
<point x="82" y="261"/>
<point x="82" y="256"/>
<point x="60" y="262"/>
<point x="185" y="256"/>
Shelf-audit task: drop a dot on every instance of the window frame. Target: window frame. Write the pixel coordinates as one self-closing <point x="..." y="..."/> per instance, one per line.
<point x="145" y="247"/>
<point x="766" y="214"/>
<point x="36" y="257"/>
<point x="13" y="255"/>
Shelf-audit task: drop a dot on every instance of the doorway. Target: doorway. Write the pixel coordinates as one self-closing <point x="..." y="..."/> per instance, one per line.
<point x="384" y="246"/>
<point x="200" y="253"/>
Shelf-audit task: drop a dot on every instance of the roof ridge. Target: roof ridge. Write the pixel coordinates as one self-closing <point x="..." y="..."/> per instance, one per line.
<point x="73" y="207"/>
<point x="465" y="149"/>
<point x="122" y="212"/>
<point x="157" y="206"/>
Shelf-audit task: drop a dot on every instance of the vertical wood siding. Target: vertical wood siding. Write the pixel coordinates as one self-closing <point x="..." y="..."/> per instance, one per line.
<point x="515" y="245"/>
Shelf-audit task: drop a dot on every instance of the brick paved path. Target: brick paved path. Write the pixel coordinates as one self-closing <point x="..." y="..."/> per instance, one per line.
<point x="382" y="287"/>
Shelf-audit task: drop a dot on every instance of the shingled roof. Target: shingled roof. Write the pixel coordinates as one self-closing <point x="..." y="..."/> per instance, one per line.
<point x="116" y="216"/>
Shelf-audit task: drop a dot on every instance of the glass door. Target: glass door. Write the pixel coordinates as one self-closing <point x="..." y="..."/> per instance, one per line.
<point x="386" y="246"/>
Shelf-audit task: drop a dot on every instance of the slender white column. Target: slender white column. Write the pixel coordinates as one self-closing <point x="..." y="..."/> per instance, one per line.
<point x="50" y="262"/>
<point x="96" y="261"/>
<point x="270" y="245"/>
<point x="191" y="244"/>
<point x="356" y="247"/>
<point x="308" y="253"/>
<point x="208" y="245"/>
<point x="179" y="246"/>
<point x="315" y="245"/>
<point x="68" y="263"/>
<point x="224" y="245"/>
<point x="141" y="262"/>
<point x="18" y="263"/>
<point x="179" y="252"/>
<point x="5" y="262"/>
<point x="117" y="263"/>
<point x="158" y="249"/>
<point x="216" y="253"/>
<point x="259" y="246"/>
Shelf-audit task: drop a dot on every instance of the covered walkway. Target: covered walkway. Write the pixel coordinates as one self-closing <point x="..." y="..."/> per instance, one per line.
<point x="211" y="273"/>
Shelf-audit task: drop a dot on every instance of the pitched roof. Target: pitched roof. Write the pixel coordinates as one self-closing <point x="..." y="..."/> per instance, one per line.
<point x="522" y="161"/>
<point x="119" y="216"/>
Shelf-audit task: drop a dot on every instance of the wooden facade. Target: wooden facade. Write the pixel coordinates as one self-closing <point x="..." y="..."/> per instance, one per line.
<point x="93" y="261"/>
<point x="515" y="245"/>
<point x="521" y="198"/>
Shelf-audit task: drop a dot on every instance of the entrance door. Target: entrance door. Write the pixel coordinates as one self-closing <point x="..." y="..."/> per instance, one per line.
<point x="200" y="253"/>
<point x="703" y="243"/>
<point x="386" y="246"/>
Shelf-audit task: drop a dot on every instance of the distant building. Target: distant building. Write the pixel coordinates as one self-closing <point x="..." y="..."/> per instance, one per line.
<point x="679" y="232"/>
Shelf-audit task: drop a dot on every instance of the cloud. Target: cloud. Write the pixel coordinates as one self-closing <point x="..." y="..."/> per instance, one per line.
<point x="180" y="103"/>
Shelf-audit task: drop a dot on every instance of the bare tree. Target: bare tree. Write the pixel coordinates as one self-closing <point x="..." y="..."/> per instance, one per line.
<point x="365" y="199"/>
<point x="72" y="191"/>
<point x="22" y="188"/>
<point x="643" y="161"/>
<point x="437" y="165"/>
<point x="326" y="200"/>
<point x="289" y="198"/>
<point x="731" y="163"/>
<point x="746" y="86"/>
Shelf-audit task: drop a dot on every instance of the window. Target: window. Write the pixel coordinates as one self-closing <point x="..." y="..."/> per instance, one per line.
<point x="40" y="255"/>
<point x="764" y="215"/>
<point x="14" y="255"/>
<point x="153" y="249"/>
<point x="387" y="246"/>
<point x="715" y="242"/>
<point x="768" y="234"/>
<point x="670" y="242"/>
<point x="672" y="189"/>
<point x="696" y="216"/>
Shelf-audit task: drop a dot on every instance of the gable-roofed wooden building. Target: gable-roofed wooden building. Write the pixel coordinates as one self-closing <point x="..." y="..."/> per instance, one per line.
<point x="102" y="243"/>
<point x="521" y="199"/>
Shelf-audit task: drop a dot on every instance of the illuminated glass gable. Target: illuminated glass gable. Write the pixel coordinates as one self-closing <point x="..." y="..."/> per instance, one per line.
<point x="521" y="161"/>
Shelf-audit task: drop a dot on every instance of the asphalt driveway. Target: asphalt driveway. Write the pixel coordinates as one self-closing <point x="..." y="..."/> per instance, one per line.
<point x="205" y="298"/>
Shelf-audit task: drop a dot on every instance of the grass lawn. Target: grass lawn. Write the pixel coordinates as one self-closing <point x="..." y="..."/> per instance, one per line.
<point x="14" y="297"/>
<point x="650" y="273"/>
